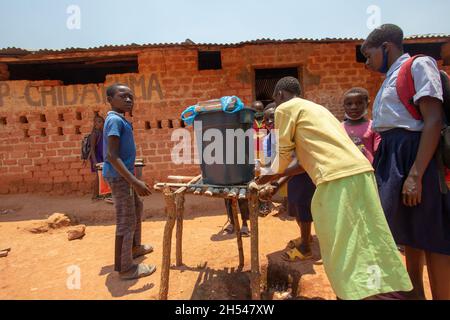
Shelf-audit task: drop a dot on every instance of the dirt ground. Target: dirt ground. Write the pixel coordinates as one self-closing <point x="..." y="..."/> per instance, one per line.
<point x="43" y="266"/>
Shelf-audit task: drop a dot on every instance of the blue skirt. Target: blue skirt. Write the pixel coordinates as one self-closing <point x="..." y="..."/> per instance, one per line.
<point x="426" y="226"/>
<point x="300" y="193"/>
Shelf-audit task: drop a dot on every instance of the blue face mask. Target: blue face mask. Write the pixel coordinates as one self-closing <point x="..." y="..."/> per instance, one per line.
<point x="385" y="67"/>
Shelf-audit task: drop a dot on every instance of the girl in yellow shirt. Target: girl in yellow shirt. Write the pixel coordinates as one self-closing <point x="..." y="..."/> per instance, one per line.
<point x="359" y="254"/>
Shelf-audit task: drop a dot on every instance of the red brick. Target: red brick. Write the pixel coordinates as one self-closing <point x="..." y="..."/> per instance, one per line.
<point x="75" y="178"/>
<point x="62" y="165"/>
<point x="23" y="162"/>
<point x="15" y="169"/>
<point x="60" y="179"/>
<point x="63" y="152"/>
<point x="10" y="162"/>
<point x="76" y="165"/>
<point x="71" y="172"/>
<point x="56" y="173"/>
<point x="46" y="180"/>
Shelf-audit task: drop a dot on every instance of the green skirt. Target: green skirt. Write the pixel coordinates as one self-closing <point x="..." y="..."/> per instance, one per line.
<point x="359" y="254"/>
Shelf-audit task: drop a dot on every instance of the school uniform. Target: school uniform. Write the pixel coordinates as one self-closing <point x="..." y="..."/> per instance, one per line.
<point x="359" y="254"/>
<point x="127" y="203"/>
<point x="426" y="226"/>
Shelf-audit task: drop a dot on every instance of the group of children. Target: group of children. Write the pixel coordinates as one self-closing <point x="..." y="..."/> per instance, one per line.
<point x="368" y="186"/>
<point x="361" y="216"/>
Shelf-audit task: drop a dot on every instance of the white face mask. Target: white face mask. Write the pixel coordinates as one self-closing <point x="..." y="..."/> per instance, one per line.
<point x="359" y="118"/>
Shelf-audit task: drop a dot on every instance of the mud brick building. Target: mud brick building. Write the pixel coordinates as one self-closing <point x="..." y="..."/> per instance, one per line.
<point x="48" y="98"/>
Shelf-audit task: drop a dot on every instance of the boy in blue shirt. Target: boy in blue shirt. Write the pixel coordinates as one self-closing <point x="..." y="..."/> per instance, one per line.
<point x="118" y="170"/>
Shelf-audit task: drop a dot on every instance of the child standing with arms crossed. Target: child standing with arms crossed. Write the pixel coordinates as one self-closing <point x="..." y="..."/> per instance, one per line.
<point x="359" y="254"/>
<point x="405" y="166"/>
<point x="118" y="171"/>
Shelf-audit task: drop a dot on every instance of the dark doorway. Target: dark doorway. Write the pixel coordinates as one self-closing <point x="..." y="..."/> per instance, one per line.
<point x="73" y="72"/>
<point x="266" y="80"/>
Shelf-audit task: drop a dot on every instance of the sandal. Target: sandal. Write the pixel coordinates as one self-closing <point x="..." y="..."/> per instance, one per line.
<point x="142" y="250"/>
<point x="294" y="255"/>
<point x="295" y="243"/>
<point x="245" y="232"/>
<point x="229" y="229"/>
<point x="141" y="270"/>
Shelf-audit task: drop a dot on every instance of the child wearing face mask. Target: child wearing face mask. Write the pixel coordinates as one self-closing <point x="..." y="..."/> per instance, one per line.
<point x="358" y="127"/>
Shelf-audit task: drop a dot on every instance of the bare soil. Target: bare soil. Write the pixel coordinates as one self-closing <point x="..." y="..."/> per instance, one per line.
<point x="42" y="266"/>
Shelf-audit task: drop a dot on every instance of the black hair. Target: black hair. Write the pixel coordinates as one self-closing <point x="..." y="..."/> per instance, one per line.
<point x="271" y="105"/>
<point x="358" y="90"/>
<point x="257" y="102"/>
<point x="289" y="84"/>
<point x="96" y="116"/>
<point x="385" y="33"/>
<point x="112" y="89"/>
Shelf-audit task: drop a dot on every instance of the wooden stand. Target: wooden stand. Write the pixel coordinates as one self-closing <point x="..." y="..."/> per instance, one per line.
<point x="175" y="213"/>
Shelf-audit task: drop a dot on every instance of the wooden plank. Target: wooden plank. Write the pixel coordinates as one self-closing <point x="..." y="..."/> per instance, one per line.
<point x="181" y="178"/>
<point x="184" y="188"/>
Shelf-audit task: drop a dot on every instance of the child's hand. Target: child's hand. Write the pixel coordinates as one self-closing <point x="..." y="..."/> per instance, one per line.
<point x="142" y="189"/>
<point x="266" y="193"/>
<point x="412" y="191"/>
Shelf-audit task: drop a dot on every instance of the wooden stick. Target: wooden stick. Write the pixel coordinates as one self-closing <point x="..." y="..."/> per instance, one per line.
<point x="192" y="181"/>
<point x="237" y="228"/>
<point x="180" y="178"/>
<point x="209" y="192"/>
<point x="169" y="198"/>
<point x="179" y="198"/>
<point x="255" y="278"/>
<point x="233" y="193"/>
<point x="160" y="185"/>
<point x="179" y="207"/>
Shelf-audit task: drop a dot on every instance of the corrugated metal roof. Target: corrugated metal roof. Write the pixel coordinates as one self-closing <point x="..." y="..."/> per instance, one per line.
<point x="12" y="51"/>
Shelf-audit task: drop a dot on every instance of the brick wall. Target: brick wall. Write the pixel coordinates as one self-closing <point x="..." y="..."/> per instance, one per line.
<point x="42" y="123"/>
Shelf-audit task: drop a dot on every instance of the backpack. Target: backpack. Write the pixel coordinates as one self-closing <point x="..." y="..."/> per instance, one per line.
<point x="406" y="91"/>
<point x="86" y="147"/>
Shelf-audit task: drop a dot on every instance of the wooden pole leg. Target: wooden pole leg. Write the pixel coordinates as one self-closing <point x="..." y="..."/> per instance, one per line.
<point x="179" y="199"/>
<point x="255" y="279"/>
<point x="237" y="228"/>
<point x="169" y="198"/>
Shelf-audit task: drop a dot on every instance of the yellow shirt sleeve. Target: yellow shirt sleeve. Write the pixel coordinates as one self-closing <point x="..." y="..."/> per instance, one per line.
<point x="286" y="126"/>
